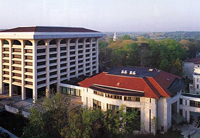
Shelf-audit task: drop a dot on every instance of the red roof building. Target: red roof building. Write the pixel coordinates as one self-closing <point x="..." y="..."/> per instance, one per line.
<point x="152" y="82"/>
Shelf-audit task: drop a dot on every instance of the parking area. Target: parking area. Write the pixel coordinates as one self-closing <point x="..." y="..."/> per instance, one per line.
<point x="192" y="129"/>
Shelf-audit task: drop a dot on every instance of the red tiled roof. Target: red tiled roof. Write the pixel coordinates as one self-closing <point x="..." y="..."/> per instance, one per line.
<point x="193" y="60"/>
<point x="48" y="29"/>
<point x="153" y="87"/>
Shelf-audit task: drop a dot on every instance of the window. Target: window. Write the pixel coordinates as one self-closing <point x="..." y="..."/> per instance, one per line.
<point x="52" y="55"/>
<point x="52" y="49"/>
<point x="96" y="104"/>
<point x="41" y="51"/>
<point x="197" y="86"/>
<point x="62" y="54"/>
<point x="131" y="98"/>
<point x="63" y="41"/>
<point x="16" y="42"/>
<point x="112" y="107"/>
<point x="53" y="42"/>
<point x="62" y="48"/>
<point x="181" y="101"/>
<point x="40" y="43"/>
<point x="192" y="103"/>
<point x="40" y="57"/>
<point x="28" y="43"/>
<point x="113" y="96"/>
<point x="98" y="93"/>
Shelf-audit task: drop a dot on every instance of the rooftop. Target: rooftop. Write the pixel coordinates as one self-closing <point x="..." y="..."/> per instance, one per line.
<point x="48" y="32"/>
<point x="193" y="60"/>
<point x="152" y="83"/>
<point x="139" y="72"/>
<point x="48" y="29"/>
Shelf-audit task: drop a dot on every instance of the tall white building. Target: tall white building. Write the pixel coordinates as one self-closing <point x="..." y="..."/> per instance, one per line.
<point x="37" y="59"/>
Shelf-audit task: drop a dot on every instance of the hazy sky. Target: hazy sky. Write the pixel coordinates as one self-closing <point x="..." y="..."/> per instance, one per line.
<point x="103" y="15"/>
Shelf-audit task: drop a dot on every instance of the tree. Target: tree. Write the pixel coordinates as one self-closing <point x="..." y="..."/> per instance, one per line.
<point x="48" y="117"/>
<point x="126" y="37"/>
<point x="56" y="117"/>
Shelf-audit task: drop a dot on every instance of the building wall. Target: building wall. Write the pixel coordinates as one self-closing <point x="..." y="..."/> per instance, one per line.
<point x="34" y="64"/>
<point x="188" y="70"/>
<point x="195" y="87"/>
<point x="145" y="105"/>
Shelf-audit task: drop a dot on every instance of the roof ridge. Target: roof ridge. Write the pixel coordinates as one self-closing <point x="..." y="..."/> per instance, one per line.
<point x="151" y="87"/>
<point x="160" y="86"/>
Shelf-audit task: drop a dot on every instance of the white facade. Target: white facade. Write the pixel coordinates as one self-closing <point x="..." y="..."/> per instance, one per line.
<point x="154" y="113"/>
<point x="35" y="62"/>
<point x="188" y="70"/>
<point x="195" y="87"/>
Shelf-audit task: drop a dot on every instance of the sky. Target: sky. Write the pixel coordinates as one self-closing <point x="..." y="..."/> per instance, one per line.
<point x="103" y="15"/>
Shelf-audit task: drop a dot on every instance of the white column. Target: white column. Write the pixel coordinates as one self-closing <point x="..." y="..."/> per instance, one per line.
<point x="34" y="71"/>
<point x="1" y="68"/>
<point x="23" y="89"/>
<point x="47" y="66"/>
<point x="68" y="59"/>
<point x="97" y="56"/>
<point x="91" y="72"/>
<point x="76" y="54"/>
<point x="10" y="69"/>
<point x="188" y="116"/>
<point x="58" y="65"/>
<point x="84" y="55"/>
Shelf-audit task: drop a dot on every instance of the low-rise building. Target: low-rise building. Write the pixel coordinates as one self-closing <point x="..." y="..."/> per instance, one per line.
<point x="153" y="93"/>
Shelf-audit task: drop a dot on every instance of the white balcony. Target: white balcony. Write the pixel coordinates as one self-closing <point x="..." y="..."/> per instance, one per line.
<point x="28" y="47"/>
<point x="41" y="79"/>
<point x="41" y="73"/>
<point x="16" y="53"/>
<point x="28" y="73"/>
<point x="28" y="54"/>
<point x="41" y="60"/>
<point x="29" y="86"/>
<point x="6" y="81"/>
<point x="6" y="52"/>
<point x="17" y="71"/>
<point x="54" y="81"/>
<point x="16" y="65"/>
<point x="63" y="68"/>
<point x="6" y="64"/>
<point x="41" y="85"/>
<point x="41" y="66"/>
<point x="6" y="75"/>
<point x="17" y="83"/>
<point x="28" y="67"/>
<point x="17" y="77"/>
<point x="28" y="79"/>
<point x="28" y="60"/>
<point x="5" y="46"/>
<point x="16" y="59"/>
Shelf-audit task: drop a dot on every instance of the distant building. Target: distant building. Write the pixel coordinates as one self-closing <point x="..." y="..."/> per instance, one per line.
<point x="197" y="54"/>
<point x="188" y="67"/>
<point x="115" y="37"/>
<point x="36" y="59"/>
<point x="195" y="86"/>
